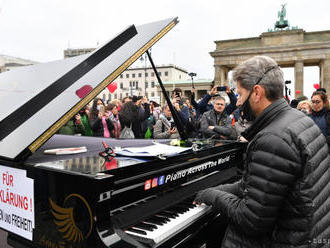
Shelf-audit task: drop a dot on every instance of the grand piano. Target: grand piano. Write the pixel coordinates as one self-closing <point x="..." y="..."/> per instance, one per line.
<point x="88" y="199"/>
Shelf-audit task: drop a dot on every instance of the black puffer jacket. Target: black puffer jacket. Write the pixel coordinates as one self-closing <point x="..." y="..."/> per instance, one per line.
<point x="283" y="199"/>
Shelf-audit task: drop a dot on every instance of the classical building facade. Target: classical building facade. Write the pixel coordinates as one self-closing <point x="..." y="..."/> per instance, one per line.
<point x="8" y="62"/>
<point x="202" y="86"/>
<point x="290" y="48"/>
<point x="142" y="81"/>
<point x="68" y="53"/>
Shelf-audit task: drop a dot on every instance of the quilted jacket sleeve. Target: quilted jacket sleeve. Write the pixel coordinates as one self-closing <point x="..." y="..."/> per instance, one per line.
<point x="233" y="188"/>
<point x="272" y="168"/>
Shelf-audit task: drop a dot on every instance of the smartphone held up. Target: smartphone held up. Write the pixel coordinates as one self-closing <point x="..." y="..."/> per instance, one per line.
<point x="221" y="88"/>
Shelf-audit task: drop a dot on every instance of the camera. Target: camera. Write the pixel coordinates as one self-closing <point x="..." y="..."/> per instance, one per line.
<point x="221" y="88"/>
<point x="177" y="94"/>
<point x="172" y="124"/>
<point x="102" y="110"/>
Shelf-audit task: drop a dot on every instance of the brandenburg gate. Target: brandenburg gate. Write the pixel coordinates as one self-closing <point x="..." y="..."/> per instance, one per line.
<point x="289" y="48"/>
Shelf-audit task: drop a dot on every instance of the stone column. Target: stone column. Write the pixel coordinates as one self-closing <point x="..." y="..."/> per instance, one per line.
<point x="325" y="74"/>
<point x="220" y="76"/>
<point x="217" y="74"/>
<point x="299" y="77"/>
<point x="223" y="75"/>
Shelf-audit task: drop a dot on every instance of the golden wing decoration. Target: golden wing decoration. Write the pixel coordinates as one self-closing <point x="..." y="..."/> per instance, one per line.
<point x="65" y="222"/>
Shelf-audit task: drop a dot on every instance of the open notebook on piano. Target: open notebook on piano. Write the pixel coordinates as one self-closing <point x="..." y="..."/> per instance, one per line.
<point x="86" y="200"/>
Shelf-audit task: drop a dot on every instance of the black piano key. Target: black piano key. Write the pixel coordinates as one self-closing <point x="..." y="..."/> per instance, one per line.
<point x="163" y="220"/>
<point x="177" y="209"/>
<point x="146" y="226"/>
<point x="154" y="220"/>
<point x="151" y="225"/>
<point x="131" y="229"/>
<point x="168" y="214"/>
<point x="175" y="214"/>
<point x="185" y="205"/>
<point x="162" y="217"/>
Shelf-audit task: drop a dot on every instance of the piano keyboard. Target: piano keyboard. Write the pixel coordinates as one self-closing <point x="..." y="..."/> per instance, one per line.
<point x="163" y="225"/>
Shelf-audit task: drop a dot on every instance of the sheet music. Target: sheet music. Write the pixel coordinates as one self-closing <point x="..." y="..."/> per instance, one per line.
<point x="151" y="151"/>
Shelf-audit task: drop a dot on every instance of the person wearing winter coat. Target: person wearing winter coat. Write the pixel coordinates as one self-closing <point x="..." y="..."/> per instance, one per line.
<point x="99" y="120"/>
<point x="283" y="197"/>
<point x="133" y="114"/>
<point x="320" y="113"/>
<point x="165" y="126"/>
<point x="73" y="127"/>
<point x="216" y="123"/>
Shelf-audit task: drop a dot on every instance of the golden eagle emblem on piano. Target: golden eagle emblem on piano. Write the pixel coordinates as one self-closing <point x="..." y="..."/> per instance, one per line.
<point x="74" y="219"/>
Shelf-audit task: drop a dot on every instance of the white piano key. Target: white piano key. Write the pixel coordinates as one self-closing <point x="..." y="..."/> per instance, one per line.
<point x="167" y="230"/>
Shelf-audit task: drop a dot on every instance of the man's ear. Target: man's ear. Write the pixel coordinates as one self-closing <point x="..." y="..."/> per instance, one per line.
<point x="259" y="93"/>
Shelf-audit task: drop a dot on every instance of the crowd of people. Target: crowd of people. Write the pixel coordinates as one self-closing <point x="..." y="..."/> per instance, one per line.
<point x="137" y="117"/>
<point x="209" y="117"/>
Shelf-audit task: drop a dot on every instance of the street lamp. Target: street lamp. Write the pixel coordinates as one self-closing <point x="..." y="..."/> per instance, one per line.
<point x="144" y="58"/>
<point x="192" y="75"/>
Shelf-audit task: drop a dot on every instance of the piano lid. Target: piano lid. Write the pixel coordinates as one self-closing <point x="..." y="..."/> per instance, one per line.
<point x="37" y="100"/>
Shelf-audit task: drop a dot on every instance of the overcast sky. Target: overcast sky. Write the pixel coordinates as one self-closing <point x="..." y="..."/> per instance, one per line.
<point x="41" y="29"/>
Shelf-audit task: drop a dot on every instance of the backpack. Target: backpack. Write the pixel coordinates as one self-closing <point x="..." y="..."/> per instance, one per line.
<point x="127" y="133"/>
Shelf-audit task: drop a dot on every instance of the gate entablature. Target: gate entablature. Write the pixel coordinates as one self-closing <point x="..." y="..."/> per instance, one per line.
<point x="290" y="48"/>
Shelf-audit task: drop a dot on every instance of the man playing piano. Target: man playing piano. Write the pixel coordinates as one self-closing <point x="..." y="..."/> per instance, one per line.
<point x="283" y="197"/>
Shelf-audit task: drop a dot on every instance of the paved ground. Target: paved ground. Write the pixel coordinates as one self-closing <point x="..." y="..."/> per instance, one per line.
<point x="3" y="239"/>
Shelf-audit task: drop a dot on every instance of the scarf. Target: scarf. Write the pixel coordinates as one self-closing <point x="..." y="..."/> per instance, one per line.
<point x="106" y="132"/>
<point x="320" y="113"/>
<point x="116" y="123"/>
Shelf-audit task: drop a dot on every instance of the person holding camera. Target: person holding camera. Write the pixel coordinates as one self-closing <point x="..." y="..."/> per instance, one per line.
<point x="73" y="127"/>
<point x="99" y="120"/>
<point x="178" y="105"/>
<point x="205" y="105"/>
<point x="165" y="127"/>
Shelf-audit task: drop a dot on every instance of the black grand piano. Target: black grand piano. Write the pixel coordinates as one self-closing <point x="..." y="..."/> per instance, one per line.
<point x="84" y="199"/>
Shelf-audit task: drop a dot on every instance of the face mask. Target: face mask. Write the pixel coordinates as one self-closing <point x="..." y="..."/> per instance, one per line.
<point x="246" y="108"/>
<point x="247" y="111"/>
<point x="99" y="107"/>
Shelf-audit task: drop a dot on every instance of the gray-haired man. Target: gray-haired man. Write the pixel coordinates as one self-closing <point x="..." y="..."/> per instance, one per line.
<point x="216" y="123"/>
<point x="283" y="198"/>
